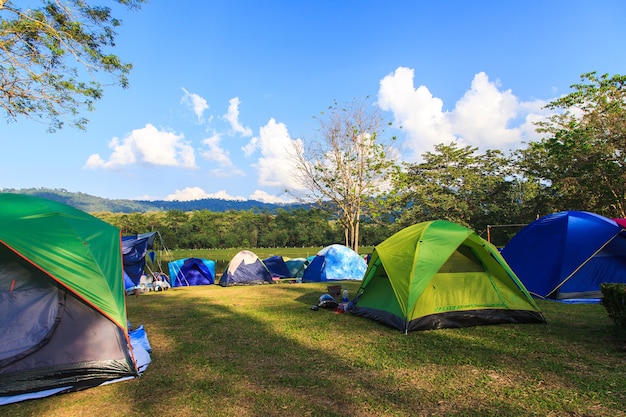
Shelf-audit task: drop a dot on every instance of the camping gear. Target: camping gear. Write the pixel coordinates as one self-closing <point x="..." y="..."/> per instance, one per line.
<point x="62" y="300"/>
<point x="439" y="274"/>
<point x="136" y="249"/>
<point x="334" y="263"/>
<point x="277" y="267"/>
<point x="245" y="268"/>
<point x="327" y="301"/>
<point x="565" y="256"/>
<point x="192" y="271"/>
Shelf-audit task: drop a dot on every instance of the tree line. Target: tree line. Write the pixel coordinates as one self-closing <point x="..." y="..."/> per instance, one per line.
<point x="205" y="229"/>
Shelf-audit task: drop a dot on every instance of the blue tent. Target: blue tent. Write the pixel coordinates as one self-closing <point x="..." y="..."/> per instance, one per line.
<point x="296" y="266"/>
<point x="245" y="269"/>
<point x="134" y="250"/>
<point x="567" y="255"/>
<point x="191" y="271"/>
<point x="277" y="267"/>
<point x="335" y="263"/>
<point x="128" y="283"/>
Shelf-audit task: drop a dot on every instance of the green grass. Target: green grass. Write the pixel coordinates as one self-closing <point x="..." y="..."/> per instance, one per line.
<point x="262" y="351"/>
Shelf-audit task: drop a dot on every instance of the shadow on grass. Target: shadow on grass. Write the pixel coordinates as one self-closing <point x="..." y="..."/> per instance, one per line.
<point x="261" y="351"/>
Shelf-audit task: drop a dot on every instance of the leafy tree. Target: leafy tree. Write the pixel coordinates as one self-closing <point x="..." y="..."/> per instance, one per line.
<point x="346" y="166"/>
<point x="51" y="57"/>
<point x="582" y="158"/>
<point x="460" y="185"/>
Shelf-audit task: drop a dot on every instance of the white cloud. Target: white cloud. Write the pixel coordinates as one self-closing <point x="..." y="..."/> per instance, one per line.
<point x="264" y="197"/>
<point x="482" y="116"/>
<point x="197" y="103"/>
<point x="197" y="193"/>
<point x="147" y="145"/>
<point x="252" y="146"/>
<point x="233" y="118"/>
<point x="485" y="117"/>
<point x="415" y="110"/>
<point x="214" y="152"/>
<point x="226" y="173"/>
<point x="275" y="166"/>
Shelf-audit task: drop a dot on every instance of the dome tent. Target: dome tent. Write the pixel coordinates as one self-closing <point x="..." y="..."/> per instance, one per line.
<point x="191" y="271"/>
<point x="277" y="267"/>
<point x="245" y="268"/>
<point x="62" y="305"/>
<point x="565" y="256"/>
<point x="335" y="263"/>
<point x="439" y="274"/>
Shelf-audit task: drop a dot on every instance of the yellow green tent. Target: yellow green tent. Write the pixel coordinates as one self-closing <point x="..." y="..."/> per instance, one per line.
<point x="439" y="274"/>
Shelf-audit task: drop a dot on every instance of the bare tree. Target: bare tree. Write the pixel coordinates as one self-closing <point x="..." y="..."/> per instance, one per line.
<point x="347" y="166"/>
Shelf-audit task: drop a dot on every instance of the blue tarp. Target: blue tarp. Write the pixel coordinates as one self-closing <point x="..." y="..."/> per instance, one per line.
<point x="567" y="255"/>
<point x="134" y="250"/>
<point x="335" y="263"/>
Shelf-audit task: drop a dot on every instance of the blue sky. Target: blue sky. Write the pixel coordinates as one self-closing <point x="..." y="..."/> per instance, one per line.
<point x="220" y="89"/>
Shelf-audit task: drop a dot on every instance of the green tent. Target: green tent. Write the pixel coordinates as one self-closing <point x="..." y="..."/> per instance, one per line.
<point x="439" y="274"/>
<point x="62" y="306"/>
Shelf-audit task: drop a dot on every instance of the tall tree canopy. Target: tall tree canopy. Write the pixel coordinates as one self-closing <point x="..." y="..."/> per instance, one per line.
<point x="582" y="158"/>
<point x="347" y="166"/>
<point x="50" y="58"/>
<point x="461" y="185"/>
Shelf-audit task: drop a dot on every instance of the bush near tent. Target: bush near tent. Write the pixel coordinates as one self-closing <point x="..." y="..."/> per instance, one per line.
<point x="245" y="268"/>
<point x="439" y="274"/>
<point x="191" y="271"/>
<point x="62" y="301"/>
<point x="565" y="256"/>
<point x="335" y="263"/>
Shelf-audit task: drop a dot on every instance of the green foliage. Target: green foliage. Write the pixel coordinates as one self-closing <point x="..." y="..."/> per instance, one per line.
<point x="614" y="301"/>
<point x="581" y="158"/>
<point x="52" y="57"/>
<point x="462" y="186"/>
<point x="204" y="229"/>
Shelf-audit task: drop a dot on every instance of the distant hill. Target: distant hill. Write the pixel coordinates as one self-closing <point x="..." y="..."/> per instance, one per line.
<point x="93" y="204"/>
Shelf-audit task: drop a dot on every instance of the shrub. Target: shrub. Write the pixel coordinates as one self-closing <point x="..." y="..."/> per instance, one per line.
<point x="614" y="301"/>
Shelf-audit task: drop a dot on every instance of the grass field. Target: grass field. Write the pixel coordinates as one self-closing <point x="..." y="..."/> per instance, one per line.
<point x="262" y="351"/>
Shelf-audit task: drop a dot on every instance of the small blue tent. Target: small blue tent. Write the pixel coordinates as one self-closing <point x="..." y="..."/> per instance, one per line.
<point x="565" y="256"/>
<point x="245" y="269"/>
<point x="277" y="267"/>
<point x="335" y="263"/>
<point x="191" y="271"/>
<point x="296" y="266"/>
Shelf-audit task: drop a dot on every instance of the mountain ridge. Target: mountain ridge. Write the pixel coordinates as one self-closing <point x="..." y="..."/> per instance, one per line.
<point x="93" y="204"/>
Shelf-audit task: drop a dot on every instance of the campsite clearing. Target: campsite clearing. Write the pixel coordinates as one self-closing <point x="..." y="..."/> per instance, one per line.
<point x="261" y="350"/>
